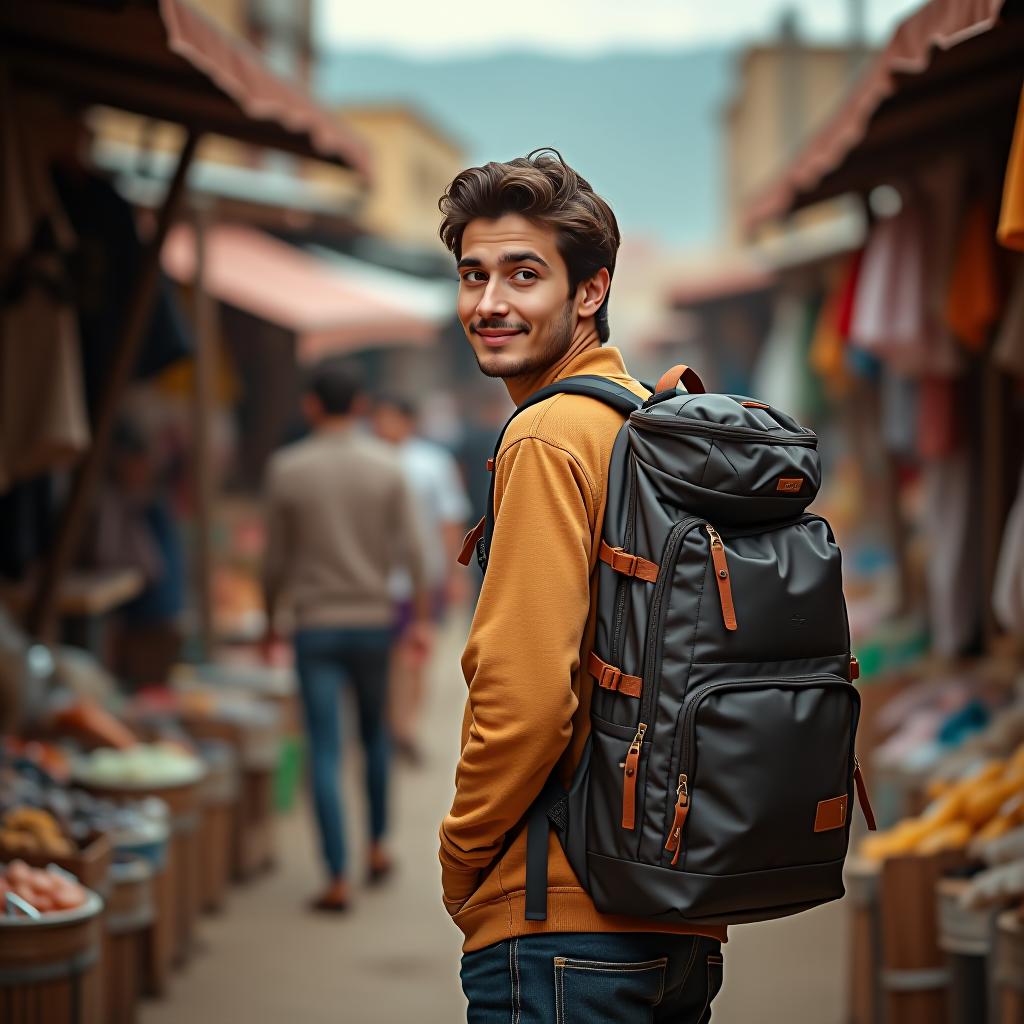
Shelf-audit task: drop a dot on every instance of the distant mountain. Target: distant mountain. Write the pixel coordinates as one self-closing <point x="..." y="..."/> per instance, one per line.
<point x="643" y="128"/>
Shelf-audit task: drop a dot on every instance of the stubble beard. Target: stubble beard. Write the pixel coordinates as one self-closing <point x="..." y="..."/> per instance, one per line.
<point x="557" y="345"/>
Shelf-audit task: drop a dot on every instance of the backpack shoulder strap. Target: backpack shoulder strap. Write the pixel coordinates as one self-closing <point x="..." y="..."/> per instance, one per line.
<point x="604" y="390"/>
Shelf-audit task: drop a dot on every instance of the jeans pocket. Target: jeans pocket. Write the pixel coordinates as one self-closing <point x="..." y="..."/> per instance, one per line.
<point x="599" y="991"/>
<point x="715" y="975"/>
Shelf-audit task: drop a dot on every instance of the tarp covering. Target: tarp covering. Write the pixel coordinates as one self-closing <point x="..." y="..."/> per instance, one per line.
<point x="287" y="286"/>
<point x="943" y="67"/>
<point x="167" y="60"/>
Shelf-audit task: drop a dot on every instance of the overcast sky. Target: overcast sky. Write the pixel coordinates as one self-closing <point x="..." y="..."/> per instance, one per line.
<point x="437" y="27"/>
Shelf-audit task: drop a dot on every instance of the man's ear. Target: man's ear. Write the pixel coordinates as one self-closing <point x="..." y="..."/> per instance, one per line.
<point x="592" y="293"/>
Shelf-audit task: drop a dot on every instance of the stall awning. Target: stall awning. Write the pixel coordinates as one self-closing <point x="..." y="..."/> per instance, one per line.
<point x="286" y="286"/>
<point x="165" y="59"/>
<point x="953" y="68"/>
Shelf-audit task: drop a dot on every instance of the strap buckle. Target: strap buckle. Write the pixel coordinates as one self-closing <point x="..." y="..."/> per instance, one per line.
<point x="624" y="562"/>
<point x="610" y="677"/>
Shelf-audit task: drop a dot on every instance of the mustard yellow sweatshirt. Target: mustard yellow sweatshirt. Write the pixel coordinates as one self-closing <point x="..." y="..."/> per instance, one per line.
<point x="524" y="663"/>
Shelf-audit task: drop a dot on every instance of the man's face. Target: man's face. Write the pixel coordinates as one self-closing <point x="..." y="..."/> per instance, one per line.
<point x="514" y="299"/>
<point x="391" y="424"/>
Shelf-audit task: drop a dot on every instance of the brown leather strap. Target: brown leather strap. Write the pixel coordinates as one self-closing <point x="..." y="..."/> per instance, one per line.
<point x="490" y="465"/>
<point x="629" y="565"/>
<point x="862" y="796"/>
<point x="611" y="678"/>
<point x="754" y="405"/>
<point x="681" y="373"/>
<point x="469" y="543"/>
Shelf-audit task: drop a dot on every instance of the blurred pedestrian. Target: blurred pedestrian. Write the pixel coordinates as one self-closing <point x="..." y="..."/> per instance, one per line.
<point x="536" y="250"/>
<point x="340" y="518"/>
<point x="442" y="510"/>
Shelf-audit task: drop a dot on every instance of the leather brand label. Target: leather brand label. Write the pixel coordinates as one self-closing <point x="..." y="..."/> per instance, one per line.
<point x="831" y="814"/>
<point x="790" y="484"/>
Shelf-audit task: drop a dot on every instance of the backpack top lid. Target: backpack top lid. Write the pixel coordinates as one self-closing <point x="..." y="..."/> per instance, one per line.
<point x="734" y="460"/>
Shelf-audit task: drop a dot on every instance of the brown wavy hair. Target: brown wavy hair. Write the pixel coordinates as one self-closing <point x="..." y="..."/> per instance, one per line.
<point x="542" y="187"/>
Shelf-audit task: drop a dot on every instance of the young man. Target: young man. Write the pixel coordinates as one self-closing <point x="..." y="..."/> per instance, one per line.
<point x="536" y="250"/>
<point x="340" y="517"/>
<point x="433" y="477"/>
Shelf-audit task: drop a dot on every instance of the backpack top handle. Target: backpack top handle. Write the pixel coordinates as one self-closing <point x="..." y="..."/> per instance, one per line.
<point x="684" y="375"/>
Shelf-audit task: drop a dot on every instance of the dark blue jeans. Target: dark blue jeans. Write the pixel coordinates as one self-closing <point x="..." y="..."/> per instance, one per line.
<point x="326" y="659"/>
<point x="593" y="978"/>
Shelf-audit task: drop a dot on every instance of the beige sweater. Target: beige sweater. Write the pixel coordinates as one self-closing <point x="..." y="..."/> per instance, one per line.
<point x="340" y="517"/>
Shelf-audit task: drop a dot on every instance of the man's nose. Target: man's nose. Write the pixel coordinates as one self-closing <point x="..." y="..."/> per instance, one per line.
<point x="493" y="302"/>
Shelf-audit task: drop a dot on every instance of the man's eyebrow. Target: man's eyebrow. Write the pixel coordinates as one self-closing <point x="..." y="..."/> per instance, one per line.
<point x="522" y="257"/>
<point x="504" y="259"/>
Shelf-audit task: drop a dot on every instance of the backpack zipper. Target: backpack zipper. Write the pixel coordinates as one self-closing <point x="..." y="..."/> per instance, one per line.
<point x="674" y="841"/>
<point x="666" y="425"/>
<point x="722" y="578"/>
<point x="620" y="592"/>
<point x="630" y="769"/>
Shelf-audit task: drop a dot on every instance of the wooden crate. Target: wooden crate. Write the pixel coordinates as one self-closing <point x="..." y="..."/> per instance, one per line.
<point x="915" y="971"/>
<point x="129" y="916"/>
<point x="1008" y="968"/>
<point x="50" y="968"/>
<point x="966" y="938"/>
<point x="177" y="887"/>
<point x="863" y="878"/>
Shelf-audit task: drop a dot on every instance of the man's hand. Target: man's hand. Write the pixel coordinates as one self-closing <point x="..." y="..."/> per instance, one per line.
<point x="418" y="640"/>
<point x="269" y="645"/>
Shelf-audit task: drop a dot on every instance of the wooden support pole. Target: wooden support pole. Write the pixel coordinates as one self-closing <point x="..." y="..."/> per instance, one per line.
<point x="41" y="618"/>
<point x="204" y="398"/>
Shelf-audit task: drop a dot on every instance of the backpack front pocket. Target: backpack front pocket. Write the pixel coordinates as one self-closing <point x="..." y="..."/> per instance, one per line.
<point x="742" y="805"/>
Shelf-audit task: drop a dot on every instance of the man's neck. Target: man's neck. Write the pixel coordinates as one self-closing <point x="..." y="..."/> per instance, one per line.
<point x="334" y="425"/>
<point x="521" y="387"/>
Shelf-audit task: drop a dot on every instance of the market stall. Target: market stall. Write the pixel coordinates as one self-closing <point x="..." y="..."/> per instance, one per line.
<point x="121" y="815"/>
<point x="911" y="349"/>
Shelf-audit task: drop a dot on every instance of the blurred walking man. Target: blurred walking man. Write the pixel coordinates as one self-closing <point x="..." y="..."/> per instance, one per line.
<point x="536" y="251"/>
<point x="433" y="477"/>
<point x="340" y="517"/>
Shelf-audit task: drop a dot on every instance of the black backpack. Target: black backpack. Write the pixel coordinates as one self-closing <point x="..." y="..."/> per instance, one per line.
<point x="717" y="781"/>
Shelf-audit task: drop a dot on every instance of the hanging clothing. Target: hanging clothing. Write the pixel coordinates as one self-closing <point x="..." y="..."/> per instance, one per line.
<point x="1011" y="217"/>
<point x="43" y="424"/>
<point x="939" y="417"/>
<point x="1008" y="348"/>
<point x="827" y="355"/>
<point x="848" y="294"/>
<point x="1008" y="589"/>
<point x="778" y="376"/>
<point x="899" y="408"/>
<point x="953" y="566"/>
<point x="106" y="266"/>
<point x="972" y="303"/>
<point x="888" y="318"/>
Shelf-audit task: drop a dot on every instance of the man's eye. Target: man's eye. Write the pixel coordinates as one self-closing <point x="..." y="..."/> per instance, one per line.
<point x="529" y="275"/>
<point x="474" y="276"/>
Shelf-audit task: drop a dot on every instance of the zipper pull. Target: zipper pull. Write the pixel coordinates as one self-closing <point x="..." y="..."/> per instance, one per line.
<point x="630" y="768"/>
<point x="722" y="577"/>
<point x="862" y="795"/>
<point x="674" y="841"/>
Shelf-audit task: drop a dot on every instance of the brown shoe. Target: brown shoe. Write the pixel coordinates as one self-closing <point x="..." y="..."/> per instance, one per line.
<point x="334" y="901"/>
<point x="381" y="867"/>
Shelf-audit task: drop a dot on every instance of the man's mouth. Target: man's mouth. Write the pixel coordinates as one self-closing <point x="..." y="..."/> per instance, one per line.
<point x="496" y="336"/>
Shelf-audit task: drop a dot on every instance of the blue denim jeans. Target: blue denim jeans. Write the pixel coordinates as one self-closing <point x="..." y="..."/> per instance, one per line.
<point x="593" y="978"/>
<point x="327" y="659"/>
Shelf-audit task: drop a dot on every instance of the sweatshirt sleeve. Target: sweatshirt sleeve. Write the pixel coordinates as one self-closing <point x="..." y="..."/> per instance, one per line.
<point x="521" y="656"/>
